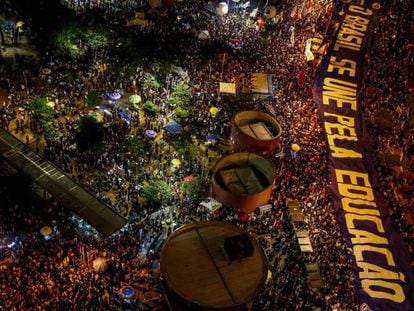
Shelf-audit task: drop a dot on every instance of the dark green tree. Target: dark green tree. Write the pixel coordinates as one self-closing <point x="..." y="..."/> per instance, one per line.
<point x="183" y="91"/>
<point x="150" y="108"/>
<point x="134" y="146"/>
<point x="96" y="40"/>
<point x="68" y="41"/>
<point x="74" y="41"/>
<point x="40" y="108"/>
<point x="157" y="194"/>
<point x="196" y="189"/>
<point x="43" y="115"/>
<point x="91" y="134"/>
<point x="180" y="99"/>
<point x="184" y="145"/>
<point x="92" y="99"/>
<point x="50" y="133"/>
<point x="181" y="114"/>
<point x="150" y="82"/>
<point x="175" y="101"/>
<point x="188" y="151"/>
<point x="181" y="96"/>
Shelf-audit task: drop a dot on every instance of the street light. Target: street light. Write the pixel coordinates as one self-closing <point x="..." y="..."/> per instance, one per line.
<point x="222" y="9"/>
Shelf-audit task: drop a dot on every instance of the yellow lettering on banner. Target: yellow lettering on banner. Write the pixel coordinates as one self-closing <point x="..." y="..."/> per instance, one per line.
<point x="350" y="31"/>
<point x="360" y="10"/>
<point x="340" y="129"/>
<point x="356" y="192"/>
<point x="341" y="92"/>
<point x="364" y="237"/>
<point x="339" y="102"/>
<point x="346" y="204"/>
<point x="348" y="121"/>
<point x="350" y="38"/>
<point x="344" y="66"/>
<point x="371" y="271"/>
<point x="353" y="176"/>
<point x="355" y="26"/>
<point x="397" y="295"/>
<point x="338" y="152"/>
<point x="356" y="20"/>
<point x="359" y="249"/>
<point x="350" y="218"/>
<point x="346" y="45"/>
<point x="349" y="88"/>
<point x="351" y="189"/>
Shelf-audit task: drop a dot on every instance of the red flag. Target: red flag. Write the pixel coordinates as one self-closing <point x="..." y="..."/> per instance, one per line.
<point x="300" y="76"/>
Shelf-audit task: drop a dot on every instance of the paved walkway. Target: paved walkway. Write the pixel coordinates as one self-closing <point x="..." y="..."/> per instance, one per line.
<point x="70" y="194"/>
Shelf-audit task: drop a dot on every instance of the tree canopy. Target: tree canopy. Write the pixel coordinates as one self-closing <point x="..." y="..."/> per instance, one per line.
<point x="150" y="82"/>
<point x="67" y="41"/>
<point x="75" y="41"/>
<point x="134" y="146"/>
<point x="93" y="99"/>
<point x="43" y="114"/>
<point x="195" y="189"/>
<point x="150" y="108"/>
<point x="157" y="194"/>
<point x="91" y="134"/>
<point x="180" y="99"/>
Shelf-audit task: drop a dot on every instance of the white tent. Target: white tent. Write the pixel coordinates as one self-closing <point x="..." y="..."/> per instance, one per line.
<point x="254" y="13"/>
<point x="211" y="204"/>
<point x="204" y="35"/>
<point x="246" y="5"/>
<point x="265" y="208"/>
<point x="178" y="70"/>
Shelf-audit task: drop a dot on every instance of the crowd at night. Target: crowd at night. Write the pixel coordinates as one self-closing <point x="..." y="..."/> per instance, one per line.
<point x="108" y="106"/>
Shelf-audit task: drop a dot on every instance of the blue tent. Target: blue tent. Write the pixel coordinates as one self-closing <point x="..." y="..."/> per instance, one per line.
<point x="125" y="116"/>
<point x="173" y="128"/>
<point x="213" y="137"/>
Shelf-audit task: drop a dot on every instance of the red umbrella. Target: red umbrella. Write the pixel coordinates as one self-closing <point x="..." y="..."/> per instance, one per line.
<point x="244" y="217"/>
<point x="188" y="178"/>
<point x="235" y="41"/>
<point x="168" y="2"/>
<point x="260" y="22"/>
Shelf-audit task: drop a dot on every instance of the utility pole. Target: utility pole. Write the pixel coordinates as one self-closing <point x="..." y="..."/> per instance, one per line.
<point x="25" y="82"/>
<point x="222" y="66"/>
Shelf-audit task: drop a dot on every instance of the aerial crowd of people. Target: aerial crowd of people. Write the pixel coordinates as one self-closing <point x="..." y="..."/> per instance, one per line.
<point x="57" y="274"/>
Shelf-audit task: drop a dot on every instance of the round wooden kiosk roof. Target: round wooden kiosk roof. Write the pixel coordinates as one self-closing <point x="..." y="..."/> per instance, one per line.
<point x="243" y="173"/>
<point x="194" y="265"/>
<point x="257" y="125"/>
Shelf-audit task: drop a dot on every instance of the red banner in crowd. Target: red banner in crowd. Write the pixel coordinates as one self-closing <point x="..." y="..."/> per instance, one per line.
<point x="383" y="275"/>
